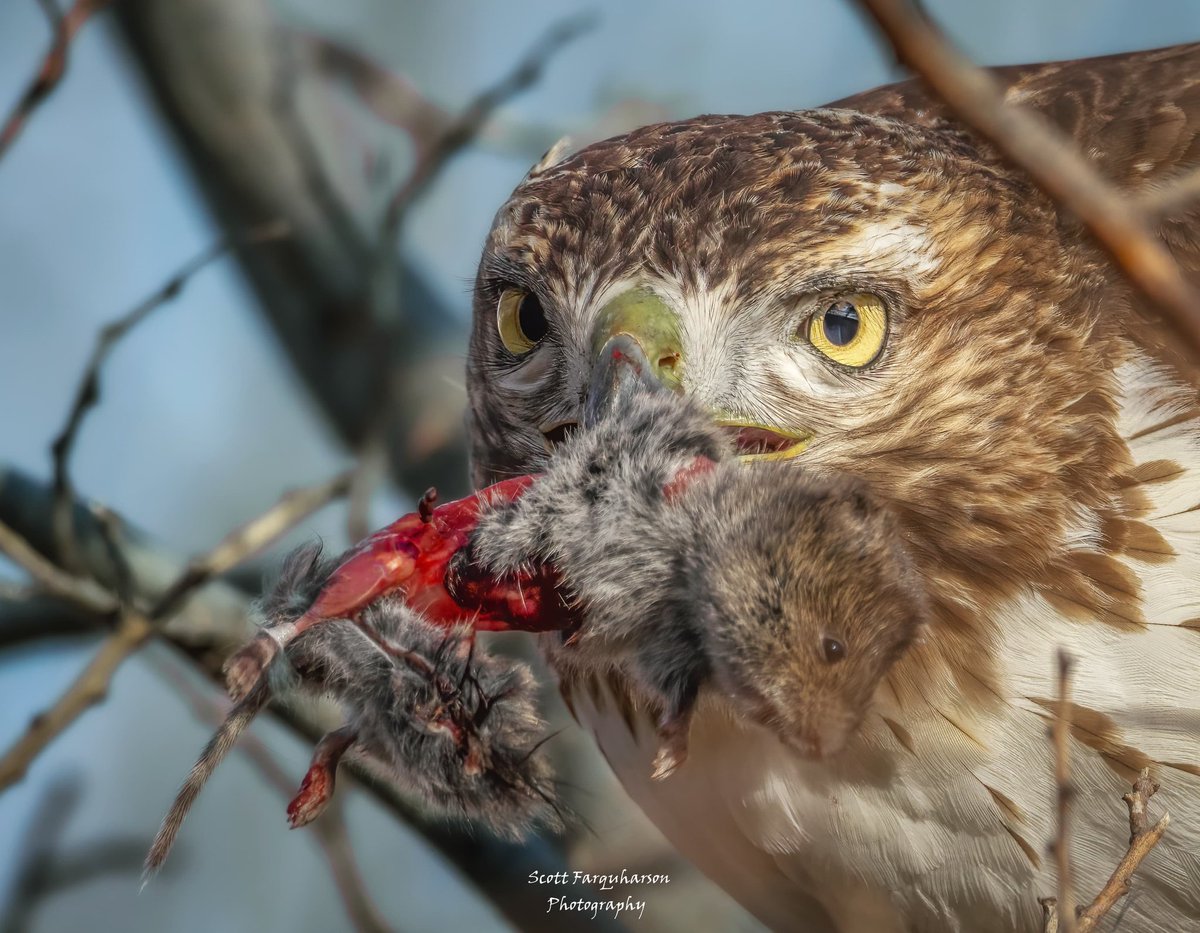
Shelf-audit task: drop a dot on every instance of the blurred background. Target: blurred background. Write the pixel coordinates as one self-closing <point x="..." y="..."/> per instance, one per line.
<point x="360" y="124"/>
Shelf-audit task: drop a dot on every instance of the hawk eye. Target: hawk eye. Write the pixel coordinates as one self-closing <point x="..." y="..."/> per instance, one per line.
<point x="520" y="321"/>
<point x="832" y="650"/>
<point x="850" y="331"/>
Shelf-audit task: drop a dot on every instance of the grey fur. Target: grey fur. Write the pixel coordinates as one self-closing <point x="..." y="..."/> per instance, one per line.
<point x="459" y="727"/>
<point x="734" y="583"/>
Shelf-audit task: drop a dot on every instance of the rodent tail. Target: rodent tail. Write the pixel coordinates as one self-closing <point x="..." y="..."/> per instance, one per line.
<point x="214" y="753"/>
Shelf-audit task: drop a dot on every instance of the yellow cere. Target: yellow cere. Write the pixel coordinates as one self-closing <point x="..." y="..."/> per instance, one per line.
<point x="508" y="322"/>
<point x="866" y="343"/>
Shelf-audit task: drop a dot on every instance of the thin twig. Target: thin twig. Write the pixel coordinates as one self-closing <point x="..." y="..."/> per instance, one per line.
<point x="109" y="526"/>
<point x="329" y="828"/>
<point x="247" y="540"/>
<point x="1142" y="839"/>
<point x="88" y="392"/>
<point x="1065" y="902"/>
<point x="1031" y="143"/>
<point x="1170" y="196"/>
<point x="1060" y="915"/>
<point x="464" y="128"/>
<point x="85" y="593"/>
<point x="1049" y="907"/>
<point x="88" y="689"/>
<point x="372" y="464"/>
<point x="52" y="67"/>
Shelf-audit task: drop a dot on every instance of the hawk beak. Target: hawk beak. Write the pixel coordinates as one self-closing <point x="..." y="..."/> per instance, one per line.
<point x="636" y="341"/>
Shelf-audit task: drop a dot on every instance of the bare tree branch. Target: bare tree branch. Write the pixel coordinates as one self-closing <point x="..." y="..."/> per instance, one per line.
<point x="134" y="628"/>
<point x="1176" y="194"/>
<point x="52" y="68"/>
<point x="330" y="827"/>
<point x="35" y="617"/>
<point x="1065" y="903"/>
<point x="83" y="593"/>
<point x="460" y="132"/>
<point x="215" y="621"/>
<point x="1142" y="839"/>
<point x="241" y="543"/>
<point x="1060" y="915"/>
<point x="88" y="393"/>
<point x="88" y="689"/>
<point x="1031" y="143"/>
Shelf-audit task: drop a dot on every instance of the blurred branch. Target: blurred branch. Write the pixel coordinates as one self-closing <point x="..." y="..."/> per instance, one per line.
<point x="1118" y="223"/>
<point x="84" y="593"/>
<point x="330" y="827"/>
<point x="1060" y="915"/>
<point x="134" y="627"/>
<point x="44" y="869"/>
<point x="391" y="97"/>
<point x="88" y="392"/>
<point x="216" y="620"/>
<point x="1174" y="195"/>
<point x="293" y="508"/>
<point x="53" y="65"/>
<point x="1065" y="902"/>
<point x="463" y="130"/>
<point x="214" y="68"/>
<point x="34" y="618"/>
<point x="88" y="689"/>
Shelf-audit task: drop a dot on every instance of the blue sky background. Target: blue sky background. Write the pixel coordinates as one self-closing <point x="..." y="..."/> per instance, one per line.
<point x="202" y="423"/>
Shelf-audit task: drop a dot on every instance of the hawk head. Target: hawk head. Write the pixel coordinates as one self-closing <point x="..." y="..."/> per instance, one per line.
<point x="865" y="295"/>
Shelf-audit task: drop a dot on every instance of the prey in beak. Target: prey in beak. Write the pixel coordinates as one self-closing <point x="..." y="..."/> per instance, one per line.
<point x="636" y="342"/>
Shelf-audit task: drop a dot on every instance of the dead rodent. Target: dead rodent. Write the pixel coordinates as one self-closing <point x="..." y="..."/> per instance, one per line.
<point x="806" y="598"/>
<point x="789" y="593"/>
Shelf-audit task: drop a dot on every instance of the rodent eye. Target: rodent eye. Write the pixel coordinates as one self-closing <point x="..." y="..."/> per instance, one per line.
<point x="832" y="650"/>
<point x="520" y="321"/>
<point x="850" y="331"/>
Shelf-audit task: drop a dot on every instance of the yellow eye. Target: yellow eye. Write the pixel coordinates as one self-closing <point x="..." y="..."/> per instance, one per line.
<point x="520" y="321"/>
<point x="851" y="330"/>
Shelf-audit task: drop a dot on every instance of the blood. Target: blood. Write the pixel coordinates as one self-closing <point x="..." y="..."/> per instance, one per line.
<point x="418" y="557"/>
<point x="413" y="556"/>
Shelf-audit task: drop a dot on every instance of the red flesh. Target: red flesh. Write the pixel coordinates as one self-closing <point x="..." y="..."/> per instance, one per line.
<point x="411" y="556"/>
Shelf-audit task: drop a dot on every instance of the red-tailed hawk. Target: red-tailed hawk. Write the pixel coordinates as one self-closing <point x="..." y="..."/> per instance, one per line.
<point x="867" y="289"/>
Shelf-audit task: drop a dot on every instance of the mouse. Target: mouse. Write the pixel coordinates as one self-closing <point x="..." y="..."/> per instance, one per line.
<point x="789" y="593"/>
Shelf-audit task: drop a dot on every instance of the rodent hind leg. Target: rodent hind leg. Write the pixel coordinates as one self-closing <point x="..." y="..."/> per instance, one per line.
<point x="673" y="727"/>
<point x="316" y="789"/>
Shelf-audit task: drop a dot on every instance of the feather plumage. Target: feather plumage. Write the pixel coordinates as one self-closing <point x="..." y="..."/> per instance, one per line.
<point x="1030" y="421"/>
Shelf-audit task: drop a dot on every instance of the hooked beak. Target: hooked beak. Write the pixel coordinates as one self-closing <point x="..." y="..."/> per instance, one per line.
<point x="636" y="341"/>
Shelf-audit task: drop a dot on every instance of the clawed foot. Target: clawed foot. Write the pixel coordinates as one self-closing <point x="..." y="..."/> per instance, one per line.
<point x="316" y="789"/>
<point x="672" y="743"/>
